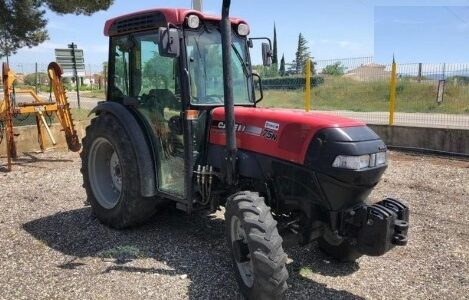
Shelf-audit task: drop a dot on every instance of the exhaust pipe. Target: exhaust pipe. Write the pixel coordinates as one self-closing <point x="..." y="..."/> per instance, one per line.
<point x="231" y="149"/>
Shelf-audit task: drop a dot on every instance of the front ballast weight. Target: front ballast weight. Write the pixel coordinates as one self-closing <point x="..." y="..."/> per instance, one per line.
<point x="376" y="229"/>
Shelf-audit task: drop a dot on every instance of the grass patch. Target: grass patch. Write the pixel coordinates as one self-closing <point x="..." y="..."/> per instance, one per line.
<point x="98" y="94"/>
<point x="306" y="272"/>
<point x="337" y="93"/>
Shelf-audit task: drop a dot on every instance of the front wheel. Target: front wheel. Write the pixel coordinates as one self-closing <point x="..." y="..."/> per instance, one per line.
<point x="256" y="247"/>
<point x="110" y="175"/>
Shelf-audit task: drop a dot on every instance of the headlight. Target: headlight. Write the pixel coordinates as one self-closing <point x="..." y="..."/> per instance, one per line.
<point x="243" y="29"/>
<point x="360" y="162"/>
<point x="193" y="21"/>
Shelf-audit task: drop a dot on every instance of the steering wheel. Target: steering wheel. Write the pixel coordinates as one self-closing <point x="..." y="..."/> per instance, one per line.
<point x="213" y="99"/>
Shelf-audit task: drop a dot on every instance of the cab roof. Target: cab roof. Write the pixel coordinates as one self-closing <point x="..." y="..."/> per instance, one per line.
<point x="155" y="18"/>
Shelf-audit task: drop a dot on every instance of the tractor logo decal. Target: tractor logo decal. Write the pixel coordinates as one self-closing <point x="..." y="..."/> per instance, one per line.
<point x="272" y="125"/>
<point x="269" y="134"/>
<point x="221" y="126"/>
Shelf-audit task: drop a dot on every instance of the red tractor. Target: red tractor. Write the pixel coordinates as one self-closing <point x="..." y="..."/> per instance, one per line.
<point x="181" y="125"/>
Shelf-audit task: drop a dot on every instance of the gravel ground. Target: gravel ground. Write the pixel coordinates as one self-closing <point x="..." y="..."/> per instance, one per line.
<point x="52" y="248"/>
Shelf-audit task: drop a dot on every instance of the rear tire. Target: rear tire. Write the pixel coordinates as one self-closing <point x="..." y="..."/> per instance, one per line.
<point x="256" y="247"/>
<point x="343" y="252"/>
<point x="111" y="176"/>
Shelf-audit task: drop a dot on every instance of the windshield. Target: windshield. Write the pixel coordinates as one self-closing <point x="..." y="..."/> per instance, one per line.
<point x="206" y="68"/>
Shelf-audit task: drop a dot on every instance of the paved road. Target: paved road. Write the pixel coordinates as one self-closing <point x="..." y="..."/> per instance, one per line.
<point x="86" y="102"/>
<point x="436" y="120"/>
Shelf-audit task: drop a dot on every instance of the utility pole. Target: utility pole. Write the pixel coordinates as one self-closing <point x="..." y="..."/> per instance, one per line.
<point x="197" y="4"/>
<point x="73" y="46"/>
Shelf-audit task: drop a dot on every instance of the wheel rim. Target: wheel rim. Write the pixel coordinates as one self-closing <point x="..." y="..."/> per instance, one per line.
<point x="243" y="262"/>
<point x="105" y="173"/>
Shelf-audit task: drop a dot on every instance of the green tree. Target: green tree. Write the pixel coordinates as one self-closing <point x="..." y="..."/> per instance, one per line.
<point x="282" y="66"/>
<point x="23" y="23"/>
<point x="336" y="69"/>
<point x="302" y="53"/>
<point x="274" y="51"/>
<point x="42" y="78"/>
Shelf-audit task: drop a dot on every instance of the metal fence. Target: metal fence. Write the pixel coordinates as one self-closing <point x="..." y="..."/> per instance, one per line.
<point x="35" y="75"/>
<point x="429" y="95"/>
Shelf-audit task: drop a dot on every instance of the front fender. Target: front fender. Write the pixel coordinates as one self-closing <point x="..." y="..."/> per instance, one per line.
<point x="140" y="144"/>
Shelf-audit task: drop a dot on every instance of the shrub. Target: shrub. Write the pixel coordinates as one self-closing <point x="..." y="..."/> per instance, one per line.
<point x="289" y="83"/>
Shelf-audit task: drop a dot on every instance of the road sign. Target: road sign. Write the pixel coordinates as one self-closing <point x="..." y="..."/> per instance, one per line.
<point x="68" y="53"/>
<point x="64" y="57"/>
<point x="72" y="62"/>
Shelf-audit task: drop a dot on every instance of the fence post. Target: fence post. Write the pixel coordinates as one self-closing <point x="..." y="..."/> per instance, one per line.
<point x="419" y="78"/>
<point x="308" y="84"/>
<point x="36" y="79"/>
<point x="392" y="92"/>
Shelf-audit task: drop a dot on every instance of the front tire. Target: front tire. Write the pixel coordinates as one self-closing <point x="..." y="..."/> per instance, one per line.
<point x="256" y="247"/>
<point x="111" y="176"/>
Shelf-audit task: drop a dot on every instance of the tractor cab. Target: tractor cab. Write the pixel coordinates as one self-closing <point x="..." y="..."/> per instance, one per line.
<point x="166" y="65"/>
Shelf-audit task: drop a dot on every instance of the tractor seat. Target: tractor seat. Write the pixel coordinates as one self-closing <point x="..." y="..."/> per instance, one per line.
<point x="163" y="98"/>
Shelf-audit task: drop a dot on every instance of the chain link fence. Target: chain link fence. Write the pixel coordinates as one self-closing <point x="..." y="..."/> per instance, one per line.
<point x="428" y="95"/>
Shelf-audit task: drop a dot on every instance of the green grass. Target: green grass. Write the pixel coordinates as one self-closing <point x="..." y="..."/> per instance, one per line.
<point x="77" y="115"/>
<point x="94" y="94"/>
<point x="338" y="93"/>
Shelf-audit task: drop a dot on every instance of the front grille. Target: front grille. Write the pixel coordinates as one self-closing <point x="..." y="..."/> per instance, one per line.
<point x="138" y="23"/>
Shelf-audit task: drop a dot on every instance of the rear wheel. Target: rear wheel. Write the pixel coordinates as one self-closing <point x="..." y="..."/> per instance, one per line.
<point x="111" y="177"/>
<point x="343" y="252"/>
<point x="256" y="247"/>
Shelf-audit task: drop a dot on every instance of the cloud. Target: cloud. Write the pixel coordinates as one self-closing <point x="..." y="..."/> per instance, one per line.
<point x="44" y="47"/>
<point x="407" y="22"/>
<point x="340" y="43"/>
<point x="60" y="26"/>
<point x="97" y="48"/>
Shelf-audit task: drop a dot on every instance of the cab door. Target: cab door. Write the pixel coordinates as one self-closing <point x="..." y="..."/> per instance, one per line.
<point x="154" y="81"/>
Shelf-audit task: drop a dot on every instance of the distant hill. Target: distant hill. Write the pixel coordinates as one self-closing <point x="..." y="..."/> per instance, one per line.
<point x="439" y="76"/>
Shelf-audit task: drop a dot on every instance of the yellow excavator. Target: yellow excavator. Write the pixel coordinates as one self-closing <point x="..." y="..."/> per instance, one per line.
<point x="9" y="109"/>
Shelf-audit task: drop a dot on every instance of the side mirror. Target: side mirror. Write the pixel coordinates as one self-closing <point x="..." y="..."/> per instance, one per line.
<point x="258" y="84"/>
<point x="266" y="55"/>
<point x="168" y="45"/>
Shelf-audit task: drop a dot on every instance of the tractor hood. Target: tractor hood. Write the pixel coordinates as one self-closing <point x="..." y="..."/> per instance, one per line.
<point x="280" y="133"/>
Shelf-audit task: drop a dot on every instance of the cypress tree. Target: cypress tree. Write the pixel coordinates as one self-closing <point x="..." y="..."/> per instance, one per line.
<point x="302" y="53"/>
<point x="282" y="66"/>
<point x="274" y="52"/>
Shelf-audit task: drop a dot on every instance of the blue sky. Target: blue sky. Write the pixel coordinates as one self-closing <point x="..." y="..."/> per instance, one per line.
<point x="334" y="28"/>
<point x="430" y="34"/>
